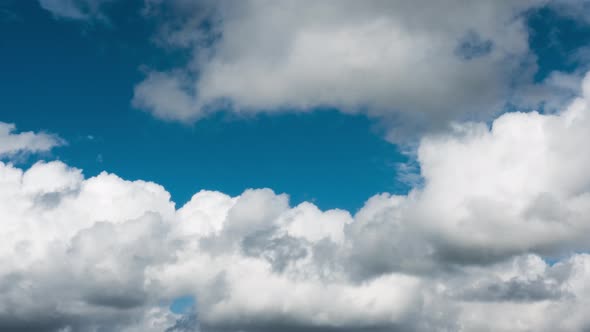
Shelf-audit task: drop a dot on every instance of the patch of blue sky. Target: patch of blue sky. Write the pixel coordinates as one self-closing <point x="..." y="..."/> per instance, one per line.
<point x="183" y="305"/>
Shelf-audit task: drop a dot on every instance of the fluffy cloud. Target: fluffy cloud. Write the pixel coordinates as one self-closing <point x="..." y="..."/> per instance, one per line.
<point x="12" y="143"/>
<point x="397" y="62"/>
<point x="394" y="61"/>
<point x="464" y="252"/>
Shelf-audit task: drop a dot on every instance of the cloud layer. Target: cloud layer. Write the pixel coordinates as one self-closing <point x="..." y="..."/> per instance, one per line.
<point x="464" y="252"/>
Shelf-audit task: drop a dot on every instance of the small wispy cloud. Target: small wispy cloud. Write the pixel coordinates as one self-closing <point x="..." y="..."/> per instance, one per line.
<point x="14" y="143"/>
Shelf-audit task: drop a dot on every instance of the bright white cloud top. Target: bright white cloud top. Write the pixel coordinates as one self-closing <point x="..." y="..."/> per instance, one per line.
<point x="462" y="253"/>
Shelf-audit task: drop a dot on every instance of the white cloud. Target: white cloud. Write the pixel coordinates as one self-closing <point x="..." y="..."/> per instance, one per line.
<point x="525" y="175"/>
<point x="165" y="94"/>
<point x="421" y="63"/>
<point x="12" y="143"/>
<point x="463" y="252"/>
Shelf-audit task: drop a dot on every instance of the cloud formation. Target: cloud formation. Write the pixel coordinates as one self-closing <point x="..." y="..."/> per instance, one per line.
<point x="397" y="63"/>
<point x="390" y="60"/>
<point x="464" y="252"/>
<point x="12" y="143"/>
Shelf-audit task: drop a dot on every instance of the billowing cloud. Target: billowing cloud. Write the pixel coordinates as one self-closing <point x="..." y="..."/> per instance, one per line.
<point x="12" y="143"/>
<point x="398" y="63"/>
<point x="464" y="252"/>
<point x="421" y="63"/>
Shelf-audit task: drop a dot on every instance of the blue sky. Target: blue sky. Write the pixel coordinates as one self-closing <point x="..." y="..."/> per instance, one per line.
<point x="76" y="79"/>
<point x="554" y="39"/>
<point x="434" y="154"/>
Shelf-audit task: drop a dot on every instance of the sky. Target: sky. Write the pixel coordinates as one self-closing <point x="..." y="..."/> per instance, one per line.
<point x="97" y="66"/>
<point x="200" y="165"/>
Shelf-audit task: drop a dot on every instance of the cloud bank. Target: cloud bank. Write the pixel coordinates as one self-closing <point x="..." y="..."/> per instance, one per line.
<point x="467" y="251"/>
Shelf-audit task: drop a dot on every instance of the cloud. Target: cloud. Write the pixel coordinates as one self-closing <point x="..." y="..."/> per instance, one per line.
<point x="465" y="251"/>
<point x="396" y="63"/>
<point x="12" y="143"/>
<point x="389" y="60"/>
<point x="74" y="9"/>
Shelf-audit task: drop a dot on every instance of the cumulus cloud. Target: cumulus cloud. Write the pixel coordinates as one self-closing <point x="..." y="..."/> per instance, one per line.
<point x="464" y="252"/>
<point x="395" y="62"/>
<point x="12" y="143"/>
<point x="421" y="63"/>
